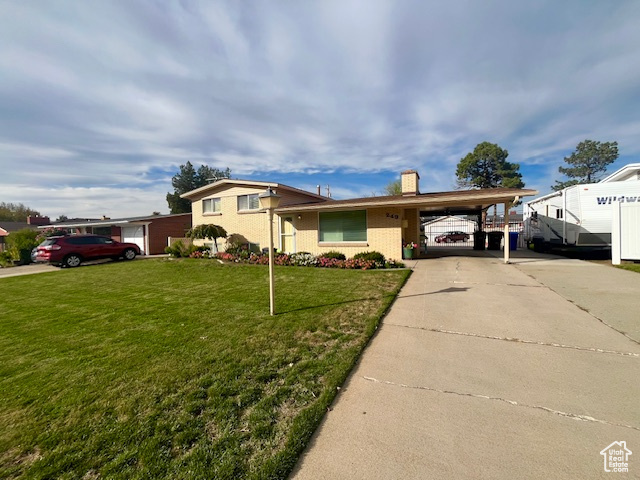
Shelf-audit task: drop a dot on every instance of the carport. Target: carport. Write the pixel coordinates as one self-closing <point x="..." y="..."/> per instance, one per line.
<point x="462" y="203"/>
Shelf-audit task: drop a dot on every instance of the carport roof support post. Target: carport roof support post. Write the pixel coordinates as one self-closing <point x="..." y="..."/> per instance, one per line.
<point x="507" y="243"/>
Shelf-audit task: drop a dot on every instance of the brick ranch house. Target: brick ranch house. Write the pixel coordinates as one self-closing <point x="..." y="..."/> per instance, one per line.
<point x="310" y="222"/>
<point x="151" y="233"/>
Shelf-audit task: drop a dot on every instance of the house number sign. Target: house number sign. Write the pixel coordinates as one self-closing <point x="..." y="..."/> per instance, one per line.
<point x="395" y="216"/>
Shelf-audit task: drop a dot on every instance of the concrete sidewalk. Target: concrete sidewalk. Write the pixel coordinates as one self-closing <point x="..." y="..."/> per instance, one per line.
<point x="34" y="268"/>
<point x="480" y="370"/>
<point x="27" y="270"/>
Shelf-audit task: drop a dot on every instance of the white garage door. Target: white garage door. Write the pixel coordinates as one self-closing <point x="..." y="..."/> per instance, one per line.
<point x="134" y="235"/>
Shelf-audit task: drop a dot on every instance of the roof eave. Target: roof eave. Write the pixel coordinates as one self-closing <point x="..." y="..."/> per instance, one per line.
<point x="251" y="183"/>
<point x="430" y="199"/>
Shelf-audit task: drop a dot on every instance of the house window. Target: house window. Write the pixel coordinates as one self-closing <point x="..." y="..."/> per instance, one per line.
<point x="343" y="226"/>
<point x="248" y="202"/>
<point x="211" y="205"/>
<point x="102" y="231"/>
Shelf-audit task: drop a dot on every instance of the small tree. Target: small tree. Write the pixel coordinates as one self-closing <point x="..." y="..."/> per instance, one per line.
<point x="393" y="188"/>
<point x="589" y="161"/>
<point x="205" y="231"/>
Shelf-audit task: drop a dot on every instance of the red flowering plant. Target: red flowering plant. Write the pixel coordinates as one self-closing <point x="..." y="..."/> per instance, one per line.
<point x="305" y="259"/>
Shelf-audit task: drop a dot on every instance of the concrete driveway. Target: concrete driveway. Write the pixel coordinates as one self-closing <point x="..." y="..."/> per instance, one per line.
<point x="485" y="370"/>
<point x="27" y="270"/>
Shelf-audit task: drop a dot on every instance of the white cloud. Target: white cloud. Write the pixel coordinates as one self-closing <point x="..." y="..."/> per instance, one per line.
<point x="117" y="95"/>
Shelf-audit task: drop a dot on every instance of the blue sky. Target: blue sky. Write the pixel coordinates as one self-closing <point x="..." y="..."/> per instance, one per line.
<point x="100" y="102"/>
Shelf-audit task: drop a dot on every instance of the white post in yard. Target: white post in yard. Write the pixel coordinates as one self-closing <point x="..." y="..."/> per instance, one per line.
<point x="270" y="201"/>
<point x="272" y="295"/>
<point x="507" y="243"/>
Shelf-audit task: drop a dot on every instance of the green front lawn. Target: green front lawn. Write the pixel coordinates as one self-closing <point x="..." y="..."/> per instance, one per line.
<point x="173" y="368"/>
<point x="630" y="266"/>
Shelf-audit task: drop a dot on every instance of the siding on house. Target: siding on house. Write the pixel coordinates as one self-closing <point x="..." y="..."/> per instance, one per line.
<point x="383" y="234"/>
<point x="160" y="229"/>
<point x="252" y="224"/>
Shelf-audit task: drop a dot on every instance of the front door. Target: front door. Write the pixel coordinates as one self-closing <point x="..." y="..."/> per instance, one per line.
<point x="287" y="235"/>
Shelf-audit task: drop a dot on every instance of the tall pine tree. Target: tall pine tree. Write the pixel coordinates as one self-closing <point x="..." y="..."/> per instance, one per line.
<point x="587" y="163"/>
<point x="187" y="179"/>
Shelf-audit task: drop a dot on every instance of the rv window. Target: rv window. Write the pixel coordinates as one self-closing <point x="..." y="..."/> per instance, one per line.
<point x="558" y="213"/>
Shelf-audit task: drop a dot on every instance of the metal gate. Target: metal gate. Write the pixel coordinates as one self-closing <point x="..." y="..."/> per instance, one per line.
<point x="452" y="231"/>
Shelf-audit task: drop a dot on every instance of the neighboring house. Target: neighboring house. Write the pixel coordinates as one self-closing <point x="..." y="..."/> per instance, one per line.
<point x="6" y="228"/>
<point x="494" y="222"/>
<point x="151" y="233"/>
<point x="309" y="222"/>
<point x="448" y="223"/>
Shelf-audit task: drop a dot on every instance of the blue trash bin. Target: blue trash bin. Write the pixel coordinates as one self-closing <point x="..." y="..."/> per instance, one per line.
<point x="513" y="241"/>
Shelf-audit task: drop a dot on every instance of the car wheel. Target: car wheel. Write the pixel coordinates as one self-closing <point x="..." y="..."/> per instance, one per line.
<point x="72" y="260"/>
<point x="129" y="254"/>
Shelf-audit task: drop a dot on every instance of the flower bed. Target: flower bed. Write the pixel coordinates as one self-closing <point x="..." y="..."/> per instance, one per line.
<point x="308" y="260"/>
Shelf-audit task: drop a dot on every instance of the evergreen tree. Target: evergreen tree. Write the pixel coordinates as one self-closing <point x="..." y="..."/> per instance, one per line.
<point x="588" y="162"/>
<point x="487" y="167"/>
<point x="187" y="179"/>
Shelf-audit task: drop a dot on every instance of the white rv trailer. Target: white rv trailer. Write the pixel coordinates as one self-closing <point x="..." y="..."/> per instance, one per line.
<point x="581" y="215"/>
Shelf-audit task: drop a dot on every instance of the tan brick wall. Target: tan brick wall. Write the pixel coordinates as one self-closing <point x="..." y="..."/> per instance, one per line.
<point x="384" y="225"/>
<point x="383" y="234"/>
<point x="252" y="225"/>
<point x="412" y="232"/>
<point x="410" y="182"/>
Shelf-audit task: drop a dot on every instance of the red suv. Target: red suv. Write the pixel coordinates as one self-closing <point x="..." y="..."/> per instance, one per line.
<point x="71" y="251"/>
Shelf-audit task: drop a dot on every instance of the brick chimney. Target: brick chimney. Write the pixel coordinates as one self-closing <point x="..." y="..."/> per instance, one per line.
<point x="37" y="220"/>
<point x="410" y="183"/>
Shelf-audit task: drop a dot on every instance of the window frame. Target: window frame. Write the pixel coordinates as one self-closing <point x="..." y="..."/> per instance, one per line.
<point x="343" y="241"/>
<point x="214" y="201"/>
<point x="249" y="197"/>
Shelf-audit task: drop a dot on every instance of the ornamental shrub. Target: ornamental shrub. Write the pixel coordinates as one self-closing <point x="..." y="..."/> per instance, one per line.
<point x="306" y="259"/>
<point x="233" y="248"/>
<point x="374" y="256"/>
<point x="393" y="264"/>
<point x="5" y="259"/>
<point x="198" y="251"/>
<point x="303" y="259"/>
<point x="333" y="254"/>
<point x="21" y="243"/>
<point x="177" y="249"/>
